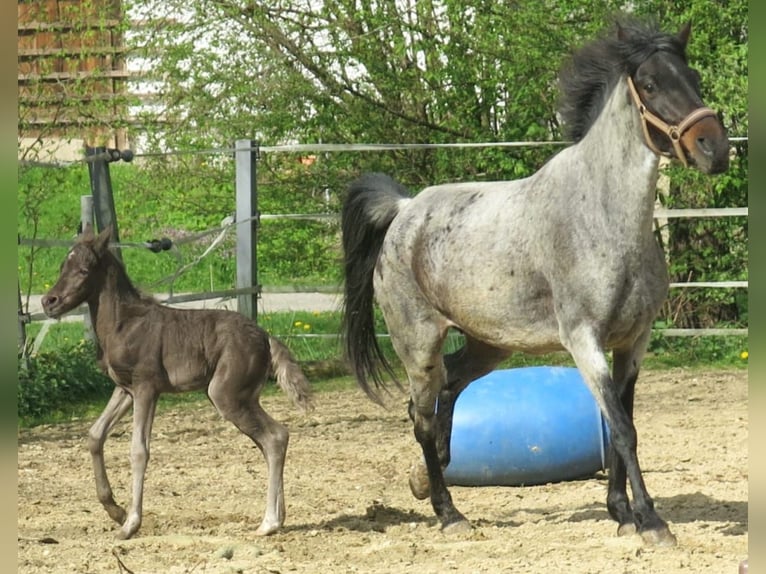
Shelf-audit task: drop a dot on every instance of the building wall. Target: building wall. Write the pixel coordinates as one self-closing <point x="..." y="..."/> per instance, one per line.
<point x="72" y="76"/>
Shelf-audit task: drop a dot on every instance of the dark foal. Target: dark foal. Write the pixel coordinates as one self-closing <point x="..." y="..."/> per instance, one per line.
<point x="148" y="349"/>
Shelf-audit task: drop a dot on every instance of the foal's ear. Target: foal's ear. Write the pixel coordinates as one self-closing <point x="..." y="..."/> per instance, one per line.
<point x="684" y="33"/>
<point x="101" y="243"/>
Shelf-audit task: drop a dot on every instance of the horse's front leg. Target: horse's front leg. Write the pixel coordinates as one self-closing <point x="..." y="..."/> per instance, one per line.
<point x="118" y="405"/>
<point x="590" y="359"/>
<point x="145" y="402"/>
<point x="625" y="366"/>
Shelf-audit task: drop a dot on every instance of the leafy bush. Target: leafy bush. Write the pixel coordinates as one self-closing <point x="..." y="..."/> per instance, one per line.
<point x="53" y="381"/>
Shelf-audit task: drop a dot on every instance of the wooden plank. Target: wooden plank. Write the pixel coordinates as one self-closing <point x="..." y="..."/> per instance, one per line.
<point x="70" y="51"/>
<point x="80" y="75"/>
<point x="59" y="26"/>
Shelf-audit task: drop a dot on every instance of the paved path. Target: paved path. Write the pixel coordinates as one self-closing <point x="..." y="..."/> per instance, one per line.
<point x="268" y="303"/>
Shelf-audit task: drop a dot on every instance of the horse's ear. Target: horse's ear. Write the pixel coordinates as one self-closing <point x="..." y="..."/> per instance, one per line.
<point x="101" y="243"/>
<point x="684" y="33"/>
<point x="622" y="34"/>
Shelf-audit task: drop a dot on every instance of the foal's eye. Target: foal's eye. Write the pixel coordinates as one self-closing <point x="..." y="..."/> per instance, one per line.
<point x="84" y="271"/>
<point x="649" y="87"/>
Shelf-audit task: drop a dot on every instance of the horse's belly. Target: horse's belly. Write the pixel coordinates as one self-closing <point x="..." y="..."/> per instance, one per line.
<point x="521" y="319"/>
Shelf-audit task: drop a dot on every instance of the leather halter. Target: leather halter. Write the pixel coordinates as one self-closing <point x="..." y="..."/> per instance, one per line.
<point x="674" y="132"/>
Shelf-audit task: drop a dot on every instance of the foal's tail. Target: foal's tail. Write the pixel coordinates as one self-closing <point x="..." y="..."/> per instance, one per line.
<point x="370" y="206"/>
<point x="290" y="377"/>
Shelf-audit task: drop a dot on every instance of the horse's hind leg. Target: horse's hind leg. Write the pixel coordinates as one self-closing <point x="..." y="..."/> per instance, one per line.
<point x="418" y="345"/>
<point x="473" y="360"/>
<point x="590" y="359"/>
<point x="118" y="405"/>
<point x="242" y="407"/>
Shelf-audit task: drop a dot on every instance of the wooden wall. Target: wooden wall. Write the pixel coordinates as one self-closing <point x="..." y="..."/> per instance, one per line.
<point x="72" y="74"/>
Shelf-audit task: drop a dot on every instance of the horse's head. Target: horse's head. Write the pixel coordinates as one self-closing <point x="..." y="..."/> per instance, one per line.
<point x="676" y="123"/>
<point x="79" y="274"/>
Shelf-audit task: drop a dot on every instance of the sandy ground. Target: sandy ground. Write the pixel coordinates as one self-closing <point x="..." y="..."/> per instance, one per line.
<point x="349" y="507"/>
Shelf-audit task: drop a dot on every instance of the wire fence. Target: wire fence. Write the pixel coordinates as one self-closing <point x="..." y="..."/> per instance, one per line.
<point x="228" y="223"/>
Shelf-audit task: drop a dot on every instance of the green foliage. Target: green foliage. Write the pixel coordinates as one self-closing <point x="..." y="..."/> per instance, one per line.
<point x="441" y="71"/>
<point x="59" y="380"/>
<point x="713" y="351"/>
<point x="178" y="202"/>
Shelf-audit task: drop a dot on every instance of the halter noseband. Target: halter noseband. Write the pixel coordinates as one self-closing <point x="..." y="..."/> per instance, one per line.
<point x="674" y="132"/>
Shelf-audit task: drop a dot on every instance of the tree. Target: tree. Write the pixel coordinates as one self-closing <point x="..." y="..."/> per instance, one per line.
<point x="423" y="71"/>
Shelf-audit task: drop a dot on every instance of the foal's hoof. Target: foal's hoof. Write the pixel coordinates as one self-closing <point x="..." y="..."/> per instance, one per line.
<point x="265" y="529"/>
<point x="627" y="529"/>
<point x="659" y="537"/>
<point x="117" y="513"/>
<point x="122" y="534"/>
<point x="419" y="483"/>
<point x="457" y="527"/>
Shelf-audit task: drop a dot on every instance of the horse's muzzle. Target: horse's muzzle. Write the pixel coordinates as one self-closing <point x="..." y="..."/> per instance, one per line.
<point x="707" y="145"/>
<point x="52" y="306"/>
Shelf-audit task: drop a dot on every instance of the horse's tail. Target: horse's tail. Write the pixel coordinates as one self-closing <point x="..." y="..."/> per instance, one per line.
<point x="290" y="377"/>
<point x="370" y="206"/>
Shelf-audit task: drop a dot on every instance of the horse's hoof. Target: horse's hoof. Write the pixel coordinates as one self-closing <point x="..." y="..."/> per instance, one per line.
<point x="659" y="537"/>
<point x="457" y="527"/>
<point x="123" y="535"/>
<point x="117" y="514"/>
<point x="419" y="483"/>
<point x="627" y="529"/>
<point x="265" y="529"/>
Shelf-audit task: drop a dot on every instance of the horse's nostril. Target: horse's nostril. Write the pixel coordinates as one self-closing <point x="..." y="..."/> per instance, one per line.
<point x="48" y="300"/>
<point x="704" y="146"/>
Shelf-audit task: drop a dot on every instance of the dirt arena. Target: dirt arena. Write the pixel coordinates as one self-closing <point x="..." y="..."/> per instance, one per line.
<point x="349" y="508"/>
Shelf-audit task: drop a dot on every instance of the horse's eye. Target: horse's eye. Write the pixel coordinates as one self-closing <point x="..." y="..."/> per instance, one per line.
<point x="84" y="271"/>
<point x="649" y="87"/>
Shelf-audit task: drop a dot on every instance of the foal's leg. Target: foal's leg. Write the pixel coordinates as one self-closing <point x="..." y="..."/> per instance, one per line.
<point x="465" y="365"/>
<point x="118" y="405"/>
<point x="144" y="405"/>
<point x="589" y="357"/>
<point x="242" y="407"/>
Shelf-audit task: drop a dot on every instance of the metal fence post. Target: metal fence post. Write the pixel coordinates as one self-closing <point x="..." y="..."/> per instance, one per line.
<point x="86" y="219"/>
<point x="101" y="186"/>
<point x="23" y="319"/>
<point x="246" y="158"/>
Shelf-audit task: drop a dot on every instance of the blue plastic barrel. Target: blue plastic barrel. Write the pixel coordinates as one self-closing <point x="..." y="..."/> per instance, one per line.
<point x="526" y="426"/>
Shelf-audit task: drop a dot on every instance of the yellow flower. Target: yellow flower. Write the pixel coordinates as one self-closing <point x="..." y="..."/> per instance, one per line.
<point x="297" y="323"/>
<point x="744" y="355"/>
<point x="306" y="327"/>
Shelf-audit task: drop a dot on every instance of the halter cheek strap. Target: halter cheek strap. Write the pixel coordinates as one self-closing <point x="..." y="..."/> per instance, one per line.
<point x="674" y="132"/>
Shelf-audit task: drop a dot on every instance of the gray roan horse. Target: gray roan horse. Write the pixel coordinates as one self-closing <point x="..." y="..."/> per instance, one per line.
<point x="148" y="349"/>
<point x="563" y="259"/>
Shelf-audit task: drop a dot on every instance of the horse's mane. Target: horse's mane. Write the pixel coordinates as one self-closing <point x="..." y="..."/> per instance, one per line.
<point x="590" y="74"/>
<point x="115" y="266"/>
